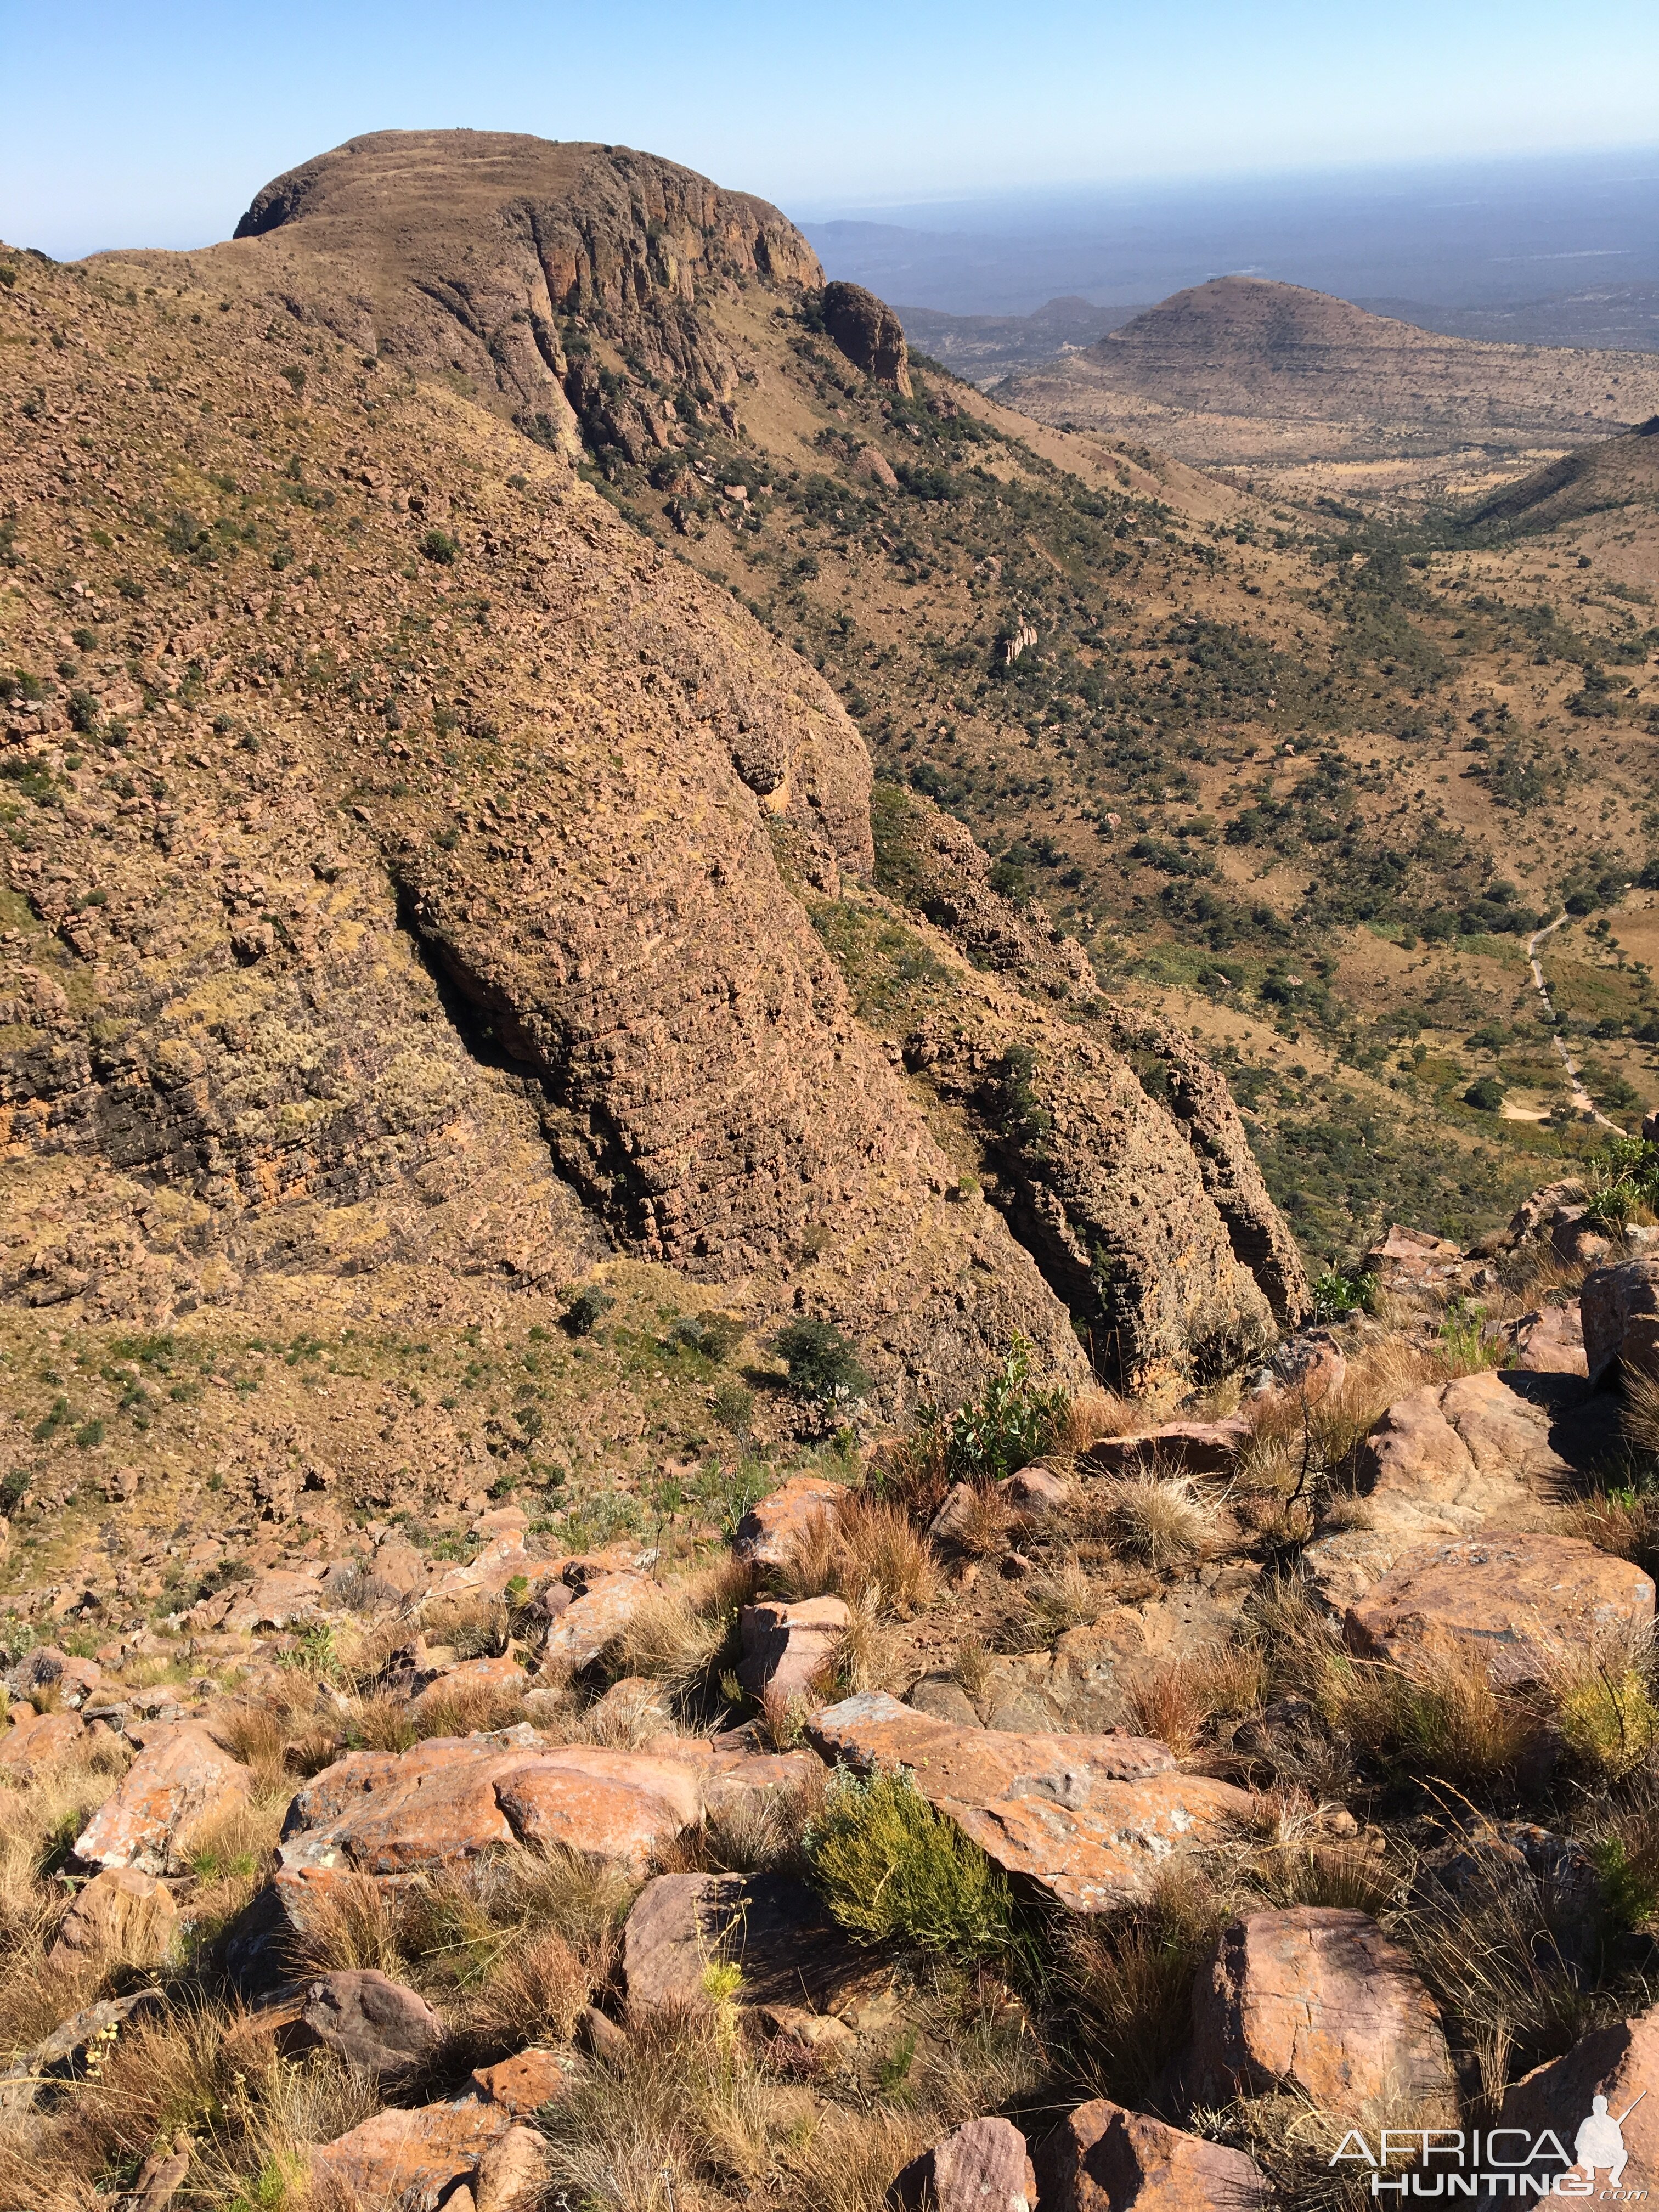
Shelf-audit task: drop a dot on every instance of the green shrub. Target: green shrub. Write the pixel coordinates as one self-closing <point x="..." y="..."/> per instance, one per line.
<point x="1337" y="1294"/>
<point x="1486" y="1092"/>
<point x="823" y="1365"/>
<point x="1012" y="1421"/>
<point x="584" y="1311"/>
<point x="439" y="545"/>
<point x="891" y="1869"/>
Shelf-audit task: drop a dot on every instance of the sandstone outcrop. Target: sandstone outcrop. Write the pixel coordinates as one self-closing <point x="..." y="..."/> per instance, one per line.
<point x="1316" y="1998"/>
<point x="869" y="333"/>
<point x="1176" y="1448"/>
<point x="1518" y="1601"/>
<point x="414" y="2158"/>
<point x="788" y="1650"/>
<point x="769" y="1530"/>
<point x="119" y="1915"/>
<point x="1620" y="1310"/>
<point x="1104" y="2158"/>
<point x="1618" y="2063"/>
<point x="1491" y="1447"/>
<point x="774" y="1930"/>
<point x="1090" y="1819"/>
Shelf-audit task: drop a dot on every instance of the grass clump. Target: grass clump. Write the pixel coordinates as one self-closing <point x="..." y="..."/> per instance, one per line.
<point x="1155" y="1519"/>
<point x="893" y="1869"/>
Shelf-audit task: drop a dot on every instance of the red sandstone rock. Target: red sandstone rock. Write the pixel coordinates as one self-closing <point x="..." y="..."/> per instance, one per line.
<point x="1178" y="1448"/>
<point x="1405" y="1257"/>
<point x="1516" y="1599"/>
<point x="981" y="2166"/>
<point x="1618" y="2063"/>
<point x="523" y="2083"/>
<point x="594" y="1621"/>
<point x="770" y="1528"/>
<point x="412" y="2159"/>
<point x="1619" y="1306"/>
<point x="37" y="1740"/>
<point x="371" y="2021"/>
<point x="471" y="1678"/>
<point x="1316" y="1998"/>
<point x="774" y="1930"/>
<point x="180" y="1779"/>
<point x="278" y="1599"/>
<point x="787" y="1649"/>
<point x="119" y="1915"/>
<point x="1093" y="1818"/>
<point x="1103" y="2157"/>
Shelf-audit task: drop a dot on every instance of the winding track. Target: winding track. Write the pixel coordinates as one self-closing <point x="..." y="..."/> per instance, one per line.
<point x="1581" y="1097"/>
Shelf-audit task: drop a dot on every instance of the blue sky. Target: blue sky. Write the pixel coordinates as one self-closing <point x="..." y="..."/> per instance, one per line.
<point x="153" y="122"/>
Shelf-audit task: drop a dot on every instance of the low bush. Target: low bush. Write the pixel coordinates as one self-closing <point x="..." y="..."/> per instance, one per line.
<point x="892" y="1869"/>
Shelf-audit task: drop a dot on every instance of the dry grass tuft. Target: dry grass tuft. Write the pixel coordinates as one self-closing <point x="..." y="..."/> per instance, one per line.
<point x="1639" y="1415"/>
<point x="1128" y="1984"/>
<point x="1155" y="1519"/>
<point x="1092" y="1415"/>
<point x="870" y="1553"/>
<point x="467" y="1709"/>
<point x="383" y="1724"/>
<point x="1172" y="1699"/>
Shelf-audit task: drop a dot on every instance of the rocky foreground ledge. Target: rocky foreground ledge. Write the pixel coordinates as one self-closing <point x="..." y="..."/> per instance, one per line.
<point x="1127" y="1827"/>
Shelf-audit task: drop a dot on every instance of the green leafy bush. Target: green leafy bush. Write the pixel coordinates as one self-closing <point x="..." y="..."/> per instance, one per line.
<point x="584" y="1310"/>
<point x="1337" y="1294"/>
<point x="823" y="1365"/>
<point x="1010" y="1423"/>
<point x="438" y="545"/>
<point x="1486" y="1092"/>
<point x="890" y="1869"/>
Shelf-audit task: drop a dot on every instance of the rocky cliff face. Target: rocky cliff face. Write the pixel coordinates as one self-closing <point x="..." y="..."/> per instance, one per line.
<point x="869" y="333"/>
<point x="486" y="254"/>
<point x="422" y="882"/>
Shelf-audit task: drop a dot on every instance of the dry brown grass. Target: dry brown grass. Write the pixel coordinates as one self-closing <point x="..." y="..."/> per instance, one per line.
<point x="1127" y="1985"/>
<point x="1157" y="1520"/>
<point x="1171" y="1699"/>
<point x="466" y="1708"/>
<point x="871" y="1553"/>
<point x="983" y="1528"/>
<point x="1639" y="1416"/>
<point x="683" y="1632"/>
<point x="1092" y="1415"/>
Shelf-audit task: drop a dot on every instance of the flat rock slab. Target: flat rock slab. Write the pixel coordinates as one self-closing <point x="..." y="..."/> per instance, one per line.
<point x="1176" y="1448"/>
<point x="180" y="1777"/>
<point x="1316" y="1998"/>
<point x="412" y="2159"/>
<point x="1490" y="1448"/>
<point x="389" y="1815"/>
<point x="1104" y="2158"/>
<point x="771" y="1529"/>
<point x="776" y="1930"/>
<point x="1091" y="1818"/>
<point x="981" y="2166"/>
<point x="524" y="2082"/>
<point x="1618" y="2063"/>
<point x="1516" y="1598"/>
<point x="1551" y="1342"/>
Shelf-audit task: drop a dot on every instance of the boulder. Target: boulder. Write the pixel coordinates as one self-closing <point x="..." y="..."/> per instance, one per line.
<point x="1575" y="1239"/>
<point x="397" y="1567"/>
<point x="981" y="2166"/>
<point x="774" y="1930"/>
<point x="70" y="1680"/>
<point x="36" y="1741"/>
<point x="512" y="2174"/>
<point x="1550" y="1342"/>
<point x="1178" y="1448"/>
<point x="501" y="1559"/>
<point x="869" y="333"/>
<point x="389" y="1815"/>
<point x="471" y="1678"/>
<point x="1037" y="1492"/>
<point x="371" y="2022"/>
<point x="870" y="465"/>
<point x="587" y="1627"/>
<point x="1092" y="1819"/>
<point x="1451" y="1456"/>
<point x="1516" y="1598"/>
<point x="1310" y="1366"/>
<point x="1407" y="1258"/>
<point x="278" y="1599"/>
<point x="1317" y="1999"/>
<point x="1532" y="1219"/>
<point x="787" y="1649"/>
<point x="1103" y="2157"/>
<point x="1619" y="1307"/>
<point x="122" y="1917"/>
<point x="523" y="2083"/>
<point x="1618" y="2063"/>
<point x="180" y="1779"/>
<point x="411" y="2159"/>
<point x="942" y="1698"/>
<point x="771" y="1529"/>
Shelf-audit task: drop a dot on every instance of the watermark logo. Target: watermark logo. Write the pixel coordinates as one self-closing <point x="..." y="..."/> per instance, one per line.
<point x="1499" y="2162"/>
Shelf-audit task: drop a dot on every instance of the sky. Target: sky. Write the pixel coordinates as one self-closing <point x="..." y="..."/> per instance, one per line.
<point x="154" y="122"/>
